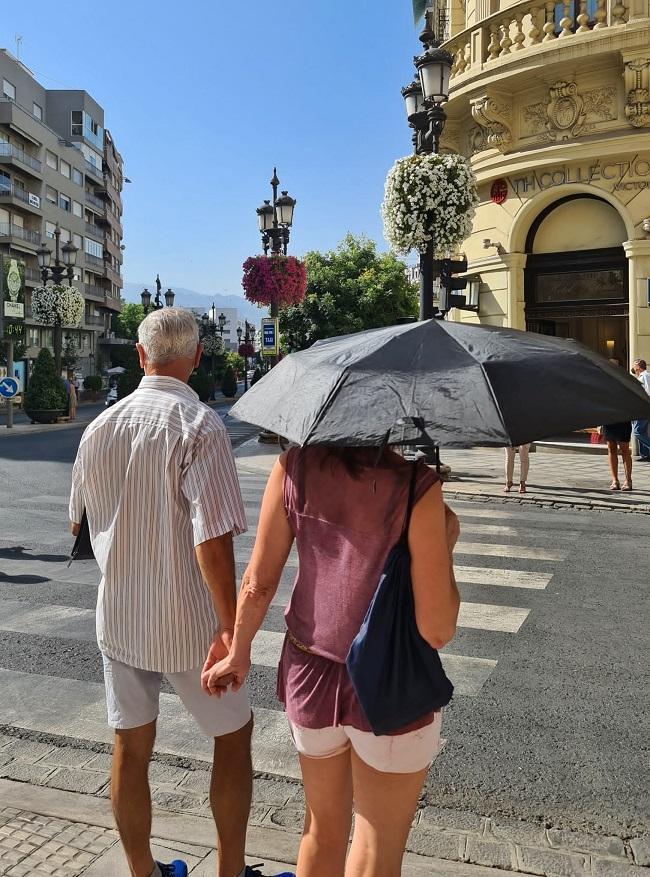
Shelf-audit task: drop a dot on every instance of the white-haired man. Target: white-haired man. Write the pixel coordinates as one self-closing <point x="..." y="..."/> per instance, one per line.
<point x="156" y="476"/>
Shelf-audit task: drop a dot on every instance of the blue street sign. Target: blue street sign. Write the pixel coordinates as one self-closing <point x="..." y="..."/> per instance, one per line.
<point x="270" y="336"/>
<point x="8" y="388"/>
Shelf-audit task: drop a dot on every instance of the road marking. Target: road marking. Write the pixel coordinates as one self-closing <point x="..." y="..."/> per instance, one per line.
<point x="504" y="578"/>
<point x="77" y="709"/>
<point x="486" y="616"/>
<point x="252" y="515"/>
<point x="519" y="552"/>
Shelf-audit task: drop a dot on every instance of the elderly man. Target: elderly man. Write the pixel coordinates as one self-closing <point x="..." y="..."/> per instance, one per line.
<point x="640" y="427"/>
<point x="156" y="476"/>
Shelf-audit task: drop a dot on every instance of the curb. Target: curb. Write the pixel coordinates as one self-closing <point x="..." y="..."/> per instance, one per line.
<point x="547" y="502"/>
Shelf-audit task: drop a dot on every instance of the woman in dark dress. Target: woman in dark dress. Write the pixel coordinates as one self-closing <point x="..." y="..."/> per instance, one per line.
<point x="617" y="436"/>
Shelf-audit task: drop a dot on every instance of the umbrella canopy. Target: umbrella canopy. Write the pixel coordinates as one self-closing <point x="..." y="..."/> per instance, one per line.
<point x="464" y="385"/>
<point x="118" y="370"/>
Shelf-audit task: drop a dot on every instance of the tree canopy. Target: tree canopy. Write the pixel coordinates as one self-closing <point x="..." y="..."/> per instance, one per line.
<point x="125" y="324"/>
<point x="349" y="289"/>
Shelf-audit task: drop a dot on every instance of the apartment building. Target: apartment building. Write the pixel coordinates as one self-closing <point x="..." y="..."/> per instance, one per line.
<point x="551" y="103"/>
<point x="60" y="166"/>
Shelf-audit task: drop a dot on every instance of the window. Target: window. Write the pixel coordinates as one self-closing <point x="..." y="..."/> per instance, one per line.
<point x="77" y="177"/>
<point x="37" y="111"/>
<point x="85" y="340"/>
<point x="50" y="228"/>
<point x="4" y="217"/>
<point x="77" y="209"/>
<point x="77" y="240"/>
<point x="47" y="338"/>
<point x="51" y="160"/>
<point x="65" y="169"/>
<point x="64" y="202"/>
<point x="33" y="337"/>
<point x="93" y="248"/>
<point x="18" y="220"/>
<point x="51" y="195"/>
<point x="5" y="182"/>
<point x="76" y="123"/>
<point x="65" y="236"/>
<point x="8" y="90"/>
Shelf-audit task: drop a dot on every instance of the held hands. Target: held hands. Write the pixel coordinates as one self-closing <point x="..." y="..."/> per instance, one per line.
<point x="222" y="667"/>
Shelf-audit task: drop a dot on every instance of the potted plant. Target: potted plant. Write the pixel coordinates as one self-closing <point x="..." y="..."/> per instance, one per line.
<point x="45" y="397"/>
<point x="202" y="384"/>
<point x="229" y="383"/>
<point x="257" y="374"/>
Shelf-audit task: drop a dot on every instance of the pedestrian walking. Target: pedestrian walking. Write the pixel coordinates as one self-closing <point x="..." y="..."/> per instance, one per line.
<point x="524" y="465"/>
<point x="640" y="427"/>
<point x="617" y="436"/>
<point x="72" y="397"/>
<point x="156" y="476"/>
<point x="345" y="512"/>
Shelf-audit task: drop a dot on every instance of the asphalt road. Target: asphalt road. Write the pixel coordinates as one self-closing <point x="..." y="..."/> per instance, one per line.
<point x="550" y="719"/>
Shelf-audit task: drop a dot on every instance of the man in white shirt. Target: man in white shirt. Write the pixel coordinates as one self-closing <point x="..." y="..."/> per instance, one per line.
<point x="156" y="476"/>
<point x="640" y="427"/>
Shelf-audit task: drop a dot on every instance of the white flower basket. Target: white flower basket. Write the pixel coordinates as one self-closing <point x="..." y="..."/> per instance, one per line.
<point x="212" y="345"/>
<point x="58" y="305"/>
<point x="429" y="198"/>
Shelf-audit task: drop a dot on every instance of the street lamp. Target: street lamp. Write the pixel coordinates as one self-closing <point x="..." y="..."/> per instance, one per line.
<point x="424" y="99"/>
<point x="65" y="259"/>
<point x="249" y="338"/>
<point x="157" y="305"/>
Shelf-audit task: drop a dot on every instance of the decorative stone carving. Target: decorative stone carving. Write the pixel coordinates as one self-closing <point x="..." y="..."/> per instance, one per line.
<point x="568" y="112"/>
<point x="495" y="118"/>
<point x="476" y="140"/>
<point x="637" y="101"/>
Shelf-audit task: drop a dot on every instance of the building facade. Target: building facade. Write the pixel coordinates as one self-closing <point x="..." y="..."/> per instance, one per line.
<point x="551" y="101"/>
<point x="59" y="165"/>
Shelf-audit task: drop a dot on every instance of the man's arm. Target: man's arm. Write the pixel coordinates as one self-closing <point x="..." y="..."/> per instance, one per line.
<point x="77" y="505"/>
<point x="217" y="562"/>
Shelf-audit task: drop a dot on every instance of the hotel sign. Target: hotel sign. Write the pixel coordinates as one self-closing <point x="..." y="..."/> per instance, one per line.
<point x="624" y="175"/>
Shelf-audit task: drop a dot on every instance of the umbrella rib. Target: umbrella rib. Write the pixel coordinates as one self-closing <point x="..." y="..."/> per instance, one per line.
<point x="494" y="399"/>
<point x="326" y="405"/>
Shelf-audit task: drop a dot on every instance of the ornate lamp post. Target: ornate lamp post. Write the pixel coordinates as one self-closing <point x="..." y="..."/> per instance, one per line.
<point x="145" y="295"/>
<point x="424" y="99"/>
<point x="65" y="258"/>
<point x="248" y="340"/>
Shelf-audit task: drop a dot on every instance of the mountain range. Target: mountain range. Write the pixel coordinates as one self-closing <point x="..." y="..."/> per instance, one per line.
<point x="189" y="298"/>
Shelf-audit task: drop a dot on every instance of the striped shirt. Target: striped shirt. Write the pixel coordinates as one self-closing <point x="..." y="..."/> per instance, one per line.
<point x="157" y="477"/>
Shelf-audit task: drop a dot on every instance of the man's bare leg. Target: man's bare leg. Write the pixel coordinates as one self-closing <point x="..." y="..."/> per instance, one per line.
<point x="231" y="791"/>
<point x="131" y="797"/>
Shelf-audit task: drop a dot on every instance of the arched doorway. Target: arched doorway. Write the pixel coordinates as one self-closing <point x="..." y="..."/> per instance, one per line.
<point x="576" y="278"/>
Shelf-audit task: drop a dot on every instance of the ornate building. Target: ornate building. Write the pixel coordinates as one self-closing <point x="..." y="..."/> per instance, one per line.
<point x="552" y="103"/>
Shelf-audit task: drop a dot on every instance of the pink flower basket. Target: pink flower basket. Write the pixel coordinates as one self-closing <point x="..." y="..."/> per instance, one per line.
<point x="279" y="280"/>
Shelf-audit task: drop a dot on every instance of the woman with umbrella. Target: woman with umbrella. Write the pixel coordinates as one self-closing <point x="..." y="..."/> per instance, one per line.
<point x="618" y="437"/>
<point x="345" y="508"/>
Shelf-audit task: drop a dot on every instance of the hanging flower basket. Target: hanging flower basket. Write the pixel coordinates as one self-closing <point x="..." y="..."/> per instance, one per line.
<point x="279" y="280"/>
<point x="429" y="198"/>
<point x="246" y="350"/>
<point x="58" y="305"/>
<point x="212" y="345"/>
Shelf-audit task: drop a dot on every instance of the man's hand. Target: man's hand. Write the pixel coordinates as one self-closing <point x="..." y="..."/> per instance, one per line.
<point x="232" y="670"/>
<point x="219" y="649"/>
<point x="74" y="528"/>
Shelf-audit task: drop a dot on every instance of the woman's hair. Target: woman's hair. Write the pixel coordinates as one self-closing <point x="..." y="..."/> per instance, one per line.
<point x="168" y="334"/>
<point x="355" y="459"/>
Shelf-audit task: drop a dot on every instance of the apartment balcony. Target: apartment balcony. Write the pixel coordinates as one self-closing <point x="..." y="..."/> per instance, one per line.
<point x="95" y="231"/>
<point x="91" y="170"/>
<point x="110" y="220"/>
<point x="89" y="290"/>
<point x="17" y="236"/>
<point x="95" y="262"/>
<point x="33" y="277"/>
<point x="94" y="201"/>
<point x="108" y="191"/>
<point x="20" y="159"/>
<point x="113" y="275"/>
<point x="92" y="320"/>
<point x="113" y="249"/>
<point x="532" y="34"/>
<point x="17" y="197"/>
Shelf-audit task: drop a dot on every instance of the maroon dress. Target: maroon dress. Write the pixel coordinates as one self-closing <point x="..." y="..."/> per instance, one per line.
<point x="345" y="526"/>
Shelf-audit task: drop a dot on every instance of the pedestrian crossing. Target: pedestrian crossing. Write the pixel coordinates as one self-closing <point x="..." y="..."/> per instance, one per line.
<point x="499" y="581"/>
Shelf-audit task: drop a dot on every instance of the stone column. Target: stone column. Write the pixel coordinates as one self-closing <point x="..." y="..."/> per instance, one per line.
<point x="516" y="263"/>
<point x="638" y="254"/>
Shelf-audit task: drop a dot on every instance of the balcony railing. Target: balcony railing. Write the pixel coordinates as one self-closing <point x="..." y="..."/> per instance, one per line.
<point x="20" y="155"/>
<point x="21" y="195"/>
<point x="95" y="201"/>
<point x="94" y="230"/>
<point x="93" y="169"/>
<point x="94" y="291"/>
<point x="94" y="260"/>
<point x="92" y="320"/>
<point x="529" y="25"/>
<point x="17" y="231"/>
<point x="33" y="275"/>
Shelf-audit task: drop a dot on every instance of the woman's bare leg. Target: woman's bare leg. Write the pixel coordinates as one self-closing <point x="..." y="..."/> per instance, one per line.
<point x="626" y="454"/>
<point x="612" y="459"/>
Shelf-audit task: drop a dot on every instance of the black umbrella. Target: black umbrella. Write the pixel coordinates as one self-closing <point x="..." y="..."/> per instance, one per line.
<point x="459" y="384"/>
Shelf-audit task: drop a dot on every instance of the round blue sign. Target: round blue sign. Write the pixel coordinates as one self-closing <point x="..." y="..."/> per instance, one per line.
<point x="8" y="388"/>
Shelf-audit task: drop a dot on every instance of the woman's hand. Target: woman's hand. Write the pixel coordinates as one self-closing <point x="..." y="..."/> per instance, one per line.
<point x="231" y="670"/>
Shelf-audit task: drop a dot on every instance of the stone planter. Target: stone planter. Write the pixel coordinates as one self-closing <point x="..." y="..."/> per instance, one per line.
<point x="42" y="416"/>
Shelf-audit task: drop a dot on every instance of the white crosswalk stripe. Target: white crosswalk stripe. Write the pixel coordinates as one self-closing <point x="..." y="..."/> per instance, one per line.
<point x="514" y="568"/>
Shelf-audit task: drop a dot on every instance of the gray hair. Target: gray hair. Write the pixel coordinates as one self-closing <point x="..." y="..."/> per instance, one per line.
<point x="168" y="334"/>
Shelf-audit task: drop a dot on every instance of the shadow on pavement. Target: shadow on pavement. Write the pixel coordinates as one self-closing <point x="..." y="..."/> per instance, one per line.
<point x="17" y="552"/>
<point x="22" y="580"/>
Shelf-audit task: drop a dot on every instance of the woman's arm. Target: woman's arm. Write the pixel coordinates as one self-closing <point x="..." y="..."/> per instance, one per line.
<point x="260" y="582"/>
<point x="431" y="537"/>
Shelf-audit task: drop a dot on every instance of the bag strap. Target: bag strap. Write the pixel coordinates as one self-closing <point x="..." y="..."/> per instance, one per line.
<point x="409" y="504"/>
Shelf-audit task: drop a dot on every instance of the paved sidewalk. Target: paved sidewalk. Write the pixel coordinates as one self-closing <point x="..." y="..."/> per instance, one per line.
<point x="562" y="480"/>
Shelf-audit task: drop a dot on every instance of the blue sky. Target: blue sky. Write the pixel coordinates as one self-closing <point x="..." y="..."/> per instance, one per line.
<point x="203" y="98"/>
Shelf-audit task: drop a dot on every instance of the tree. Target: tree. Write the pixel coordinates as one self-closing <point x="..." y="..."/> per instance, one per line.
<point x="229" y="384"/>
<point x="130" y="380"/>
<point x="125" y="324"/>
<point x="45" y="391"/>
<point x="349" y="289"/>
<point x="202" y="383"/>
<point x="70" y="355"/>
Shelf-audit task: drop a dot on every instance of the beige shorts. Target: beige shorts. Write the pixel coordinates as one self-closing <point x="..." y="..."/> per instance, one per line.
<point x="132" y="699"/>
<point x="404" y="753"/>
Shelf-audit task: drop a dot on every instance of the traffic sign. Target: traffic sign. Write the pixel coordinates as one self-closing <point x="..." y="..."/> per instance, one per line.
<point x="8" y="388"/>
<point x="270" y="332"/>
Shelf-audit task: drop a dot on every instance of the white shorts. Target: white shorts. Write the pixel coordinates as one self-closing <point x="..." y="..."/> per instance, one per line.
<point x="132" y="698"/>
<point x="405" y="753"/>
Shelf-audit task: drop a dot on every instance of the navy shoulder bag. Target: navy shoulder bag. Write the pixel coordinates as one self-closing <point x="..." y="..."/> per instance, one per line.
<point x="397" y="676"/>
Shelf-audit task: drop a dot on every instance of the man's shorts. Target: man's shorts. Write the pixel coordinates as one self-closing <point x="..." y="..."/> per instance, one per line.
<point x="132" y="698"/>
<point x="403" y="753"/>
